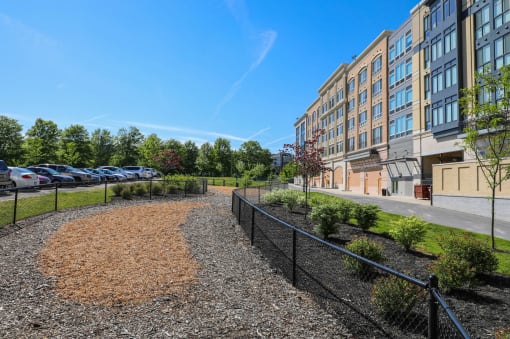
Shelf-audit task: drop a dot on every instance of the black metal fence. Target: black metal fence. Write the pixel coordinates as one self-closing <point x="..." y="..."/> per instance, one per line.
<point x="20" y="203"/>
<point x="325" y="270"/>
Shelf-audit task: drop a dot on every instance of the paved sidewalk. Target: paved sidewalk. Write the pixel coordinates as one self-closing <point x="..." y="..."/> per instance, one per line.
<point x="422" y="208"/>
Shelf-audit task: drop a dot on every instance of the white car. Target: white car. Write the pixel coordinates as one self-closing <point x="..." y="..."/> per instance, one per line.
<point x="22" y="177"/>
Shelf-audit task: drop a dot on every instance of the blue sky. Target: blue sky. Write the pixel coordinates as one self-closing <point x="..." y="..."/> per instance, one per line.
<point x="188" y="70"/>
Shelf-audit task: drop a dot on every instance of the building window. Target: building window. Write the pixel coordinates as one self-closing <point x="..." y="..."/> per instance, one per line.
<point x="339" y="129"/>
<point x="350" y="107"/>
<point x="409" y="124"/>
<point x="350" y="86"/>
<point x="362" y="140"/>
<point x="426" y="57"/>
<point x="363" y="118"/>
<point x="377" y="65"/>
<point x="451" y="109"/>
<point x="437" y="80"/>
<point x="362" y="76"/>
<point x="435" y="17"/>
<point x="313" y="116"/>
<point x="331" y="134"/>
<point x="363" y="97"/>
<point x="426" y="80"/>
<point x="409" y="40"/>
<point x="324" y="123"/>
<point x="392" y="53"/>
<point x="502" y="51"/>
<point x="501" y="12"/>
<point x="377" y="111"/>
<point x="409" y="68"/>
<point x="393" y="104"/>
<point x="409" y="96"/>
<point x="483" y="58"/>
<point x="428" y="120"/>
<point x="392" y="129"/>
<point x="482" y="22"/>
<point x="398" y="128"/>
<point x="450" y="39"/>
<point x="339" y="113"/>
<point x="450" y="74"/>
<point x="392" y="78"/>
<point x="400" y="46"/>
<point x="351" y="144"/>
<point x="426" y="26"/>
<point x="331" y="118"/>
<point x="437" y="114"/>
<point x="377" y="135"/>
<point x="340" y="95"/>
<point x="376" y="88"/>
<point x="340" y="147"/>
<point x="448" y="8"/>
<point x="436" y="48"/>
<point x="331" y="149"/>
<point x="350" y="124"/>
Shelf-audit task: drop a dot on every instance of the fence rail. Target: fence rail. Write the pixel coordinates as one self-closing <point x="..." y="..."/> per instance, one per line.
<point x="20" y="203"/>
<point x="324" y="270"/>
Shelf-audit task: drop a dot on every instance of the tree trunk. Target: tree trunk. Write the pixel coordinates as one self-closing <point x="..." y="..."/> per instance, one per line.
<point x="493" y="213"/>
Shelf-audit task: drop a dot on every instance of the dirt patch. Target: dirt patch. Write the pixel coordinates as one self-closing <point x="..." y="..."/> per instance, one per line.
<point x="222" y="189"/>
<point x="126" y="255"/>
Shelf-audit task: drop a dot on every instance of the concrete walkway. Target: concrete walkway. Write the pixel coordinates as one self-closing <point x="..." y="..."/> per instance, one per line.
<point x="422" y="208"/>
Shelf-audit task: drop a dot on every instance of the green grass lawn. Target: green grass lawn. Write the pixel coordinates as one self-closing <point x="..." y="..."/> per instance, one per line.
<point x="430" y="244"/>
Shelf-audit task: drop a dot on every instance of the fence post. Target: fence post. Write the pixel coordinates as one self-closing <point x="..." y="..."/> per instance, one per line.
<point x="15" y="206"/>
<point x="294" y="259"/>
<point x="105" y="191"/>
<point x="258" y="194"/>
<point x="252" y="232"/>
<point x="239" y="211"/>
<point x="150" y="188"/>
<point x="56" y="197"/>
<point x="433" y="308"/>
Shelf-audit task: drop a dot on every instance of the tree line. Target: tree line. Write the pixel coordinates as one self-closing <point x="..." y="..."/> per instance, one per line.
<point x="44" y="142"/>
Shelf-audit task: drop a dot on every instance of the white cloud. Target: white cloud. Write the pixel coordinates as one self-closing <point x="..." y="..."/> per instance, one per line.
<point x="27" y="33"/>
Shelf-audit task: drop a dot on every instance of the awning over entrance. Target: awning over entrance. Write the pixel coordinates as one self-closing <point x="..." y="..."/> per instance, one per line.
<point x="401" y="167"/>
<point x="364" y="160"/>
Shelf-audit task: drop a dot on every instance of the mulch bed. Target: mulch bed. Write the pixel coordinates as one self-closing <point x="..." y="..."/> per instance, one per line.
<point x="482" y="310"/>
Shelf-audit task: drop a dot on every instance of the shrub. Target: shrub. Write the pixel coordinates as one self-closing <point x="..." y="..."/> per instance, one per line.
<point x="327" y="217"/>
<point x="408" y="231"/>
<point x="273" y="197"/>
<point x="117" y="189"/>
<point x="157" y="188"/>
<point x="394" y="297"/>
<point x="503" y="333"/>
<point x="126" y="193"/>
<point x="138" y="189"/>
<point x="452" y="272"/>
<point x="476" y="252"/>
<point x="366" y="215"/>
<point x="345" y="210"/>
<point x="290" y="199"/>
<point x="366" y="249"/>
<point x="192" y="186"/>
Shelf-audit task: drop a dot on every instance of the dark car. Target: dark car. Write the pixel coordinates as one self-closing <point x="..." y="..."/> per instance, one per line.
<point x="79" y="176"/>
<point x="5" y="175"/>
<point x="54" y="176"/>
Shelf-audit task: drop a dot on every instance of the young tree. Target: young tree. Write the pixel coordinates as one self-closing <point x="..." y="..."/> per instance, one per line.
<point x="169" y="161"/>
<point x="223" y="157"/>
<point x="487" y="128"/>
<point x="308" y="159"/>
<point x="205" y="159"/>
<point x="103" y="147"/>
<point x="41" y="142"/>
<point x="126" y="146"/>
<point x="149" y="150"/>
<point x="75" y="147"/>
<point x="189" y="157"/>
<point x="11" y="140"/>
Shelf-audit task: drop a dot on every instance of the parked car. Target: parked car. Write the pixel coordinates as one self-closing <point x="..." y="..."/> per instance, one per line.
<point x="154" y="173"/>
<point x="43" y="180"/>
<point x="139" y="171"/>
<point x="22" y="177"/>
<point x="96" y="178"/>
<point x="5" y="175"/>
<point x="54" y="176"/>
<point x="129" y="175"/>
<point x="79" y="176"/>
<point x="114" y="176"/>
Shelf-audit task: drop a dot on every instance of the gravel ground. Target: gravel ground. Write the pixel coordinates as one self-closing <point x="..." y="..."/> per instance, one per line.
<point x="236" y="294"/>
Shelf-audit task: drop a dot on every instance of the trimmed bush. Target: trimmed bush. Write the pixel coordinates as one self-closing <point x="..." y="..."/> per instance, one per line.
<point x="394" y="297"/>
<point x="463" y="259"/>
<point x="273" y="197"/>
<point x="157" y="188"/>
<point x="290" y="199"/>
<point x="327" y="217"/>
<point x="345" y="210"/>
<point x="126" y="193"/>
<point x="366" y="215"/>
<point x="138" y="189"/>
<point x="365" y="248"/>
<point x="117" y="189"/>
<point x="408" y="231"/>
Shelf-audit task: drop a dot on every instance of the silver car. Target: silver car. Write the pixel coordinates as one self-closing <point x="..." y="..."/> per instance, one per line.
<point x="22" y="177"/>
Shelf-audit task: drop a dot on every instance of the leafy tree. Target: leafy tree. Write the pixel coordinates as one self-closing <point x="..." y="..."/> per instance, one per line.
<point x="189" y="158"/>
<point x="175" y="145"/>
<point x="103" y="147"/>
<point x="149" y="150"/>
<point x="127" y="143"/>
<point x="168" y="161"/>
<point x="75" y="147"/>
<point x="487" y="130"/>
<point x="252" y="154"/>
<point x="41" y="142"/>
<point x="223" y="157"/>
<point x="288" y="171"/>
<point x="11" y="140"/>
<point x="205" y="159"/>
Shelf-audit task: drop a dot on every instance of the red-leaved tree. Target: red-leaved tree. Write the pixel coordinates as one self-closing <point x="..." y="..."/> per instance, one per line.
<point x="169" y="161"/>
<point x="308" y="158"/>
